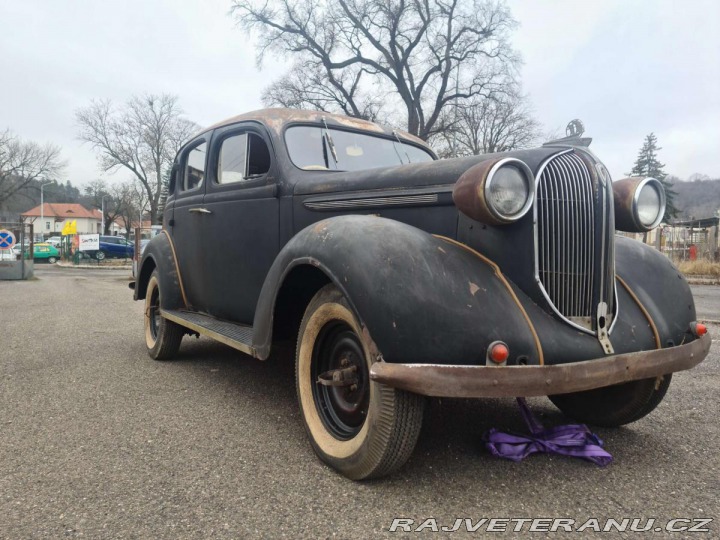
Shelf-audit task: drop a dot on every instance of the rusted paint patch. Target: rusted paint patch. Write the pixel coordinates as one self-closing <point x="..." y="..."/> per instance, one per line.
<point x="320" y="226"/>
<point x="473" y="288"/>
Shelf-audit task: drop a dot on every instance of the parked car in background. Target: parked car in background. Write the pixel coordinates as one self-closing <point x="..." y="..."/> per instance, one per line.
<point x="54" y="241"/>
<point x="402" y="276"/>
<point x="113" y="247"/>
<point x="8" y="255"/>
<point x="45" y="252"/>
<point x="41" y="252"/>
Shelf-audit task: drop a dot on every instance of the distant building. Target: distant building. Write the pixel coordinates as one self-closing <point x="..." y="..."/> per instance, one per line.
<point x="117" y="227"/>
<point x="55" y="215"/>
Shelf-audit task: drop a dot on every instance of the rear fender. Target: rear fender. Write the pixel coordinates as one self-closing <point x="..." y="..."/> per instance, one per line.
<point x="159" y="255"/>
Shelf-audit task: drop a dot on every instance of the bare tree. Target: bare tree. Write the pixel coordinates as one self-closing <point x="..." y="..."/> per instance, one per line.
<point x="98" y="195"/>
<point x="483" y="126"/>
<point x="22" y="162"/>
<point x="371" y="57"/>
<point x="129" y="210"/>
<point x="306" y="86"/>
<point x="143" y="137"/>
<point x="139" y="199"/>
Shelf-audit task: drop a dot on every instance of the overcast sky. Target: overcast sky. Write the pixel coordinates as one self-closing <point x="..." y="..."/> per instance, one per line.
<point x="625" y="68"/>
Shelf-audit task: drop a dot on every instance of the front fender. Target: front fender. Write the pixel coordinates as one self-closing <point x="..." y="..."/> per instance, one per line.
<point x="659" y="286"/>
<point x="422" y="299"/>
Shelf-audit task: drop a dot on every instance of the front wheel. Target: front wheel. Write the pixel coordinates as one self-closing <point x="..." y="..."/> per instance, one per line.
<point x="100" y="255"/>
<point x="162" y="336"/>
<point x="616" y="405"/>
<point x="361" y="428"/>
<point x="52" y="260"/>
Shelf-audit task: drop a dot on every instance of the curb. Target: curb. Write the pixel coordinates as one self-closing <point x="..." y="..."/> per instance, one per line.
<point x="93" y="267"/>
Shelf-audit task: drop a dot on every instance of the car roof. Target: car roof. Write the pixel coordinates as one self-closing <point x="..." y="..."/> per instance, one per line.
<point x="277" y="118"/>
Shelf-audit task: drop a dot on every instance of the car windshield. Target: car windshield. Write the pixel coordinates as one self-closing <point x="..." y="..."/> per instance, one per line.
<point x="314" y="148"/>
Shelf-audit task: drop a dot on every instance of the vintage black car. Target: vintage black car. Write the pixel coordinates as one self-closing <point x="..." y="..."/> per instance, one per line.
<point x="400" y="276"/>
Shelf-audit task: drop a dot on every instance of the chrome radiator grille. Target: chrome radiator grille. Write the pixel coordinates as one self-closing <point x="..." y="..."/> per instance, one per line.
<point x="565" y="236"/>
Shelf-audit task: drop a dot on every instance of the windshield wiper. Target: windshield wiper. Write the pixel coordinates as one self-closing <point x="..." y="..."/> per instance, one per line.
<point x="324" y="151"/>
<point x="401" y="146"/>
<point x="331" y="144"/>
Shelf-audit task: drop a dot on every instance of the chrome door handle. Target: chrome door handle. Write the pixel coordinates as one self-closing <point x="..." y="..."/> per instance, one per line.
<point x="200" y="211"/>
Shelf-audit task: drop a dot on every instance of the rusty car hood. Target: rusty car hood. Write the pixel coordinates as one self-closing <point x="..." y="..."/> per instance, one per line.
<point x="442" y="171"/>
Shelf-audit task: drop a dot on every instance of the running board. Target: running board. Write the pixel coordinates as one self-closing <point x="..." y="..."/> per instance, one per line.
<point x="234" y="335"/>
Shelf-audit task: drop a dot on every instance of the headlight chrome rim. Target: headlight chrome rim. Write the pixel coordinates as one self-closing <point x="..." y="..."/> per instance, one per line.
<point x="657" y="185"/>
<point x="529" y="181"/>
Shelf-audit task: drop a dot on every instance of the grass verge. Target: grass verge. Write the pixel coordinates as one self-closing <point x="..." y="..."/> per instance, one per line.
<point x="700" y="268"/>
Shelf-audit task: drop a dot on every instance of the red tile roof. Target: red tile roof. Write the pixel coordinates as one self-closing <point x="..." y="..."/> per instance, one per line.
<point x="64" y="211"/>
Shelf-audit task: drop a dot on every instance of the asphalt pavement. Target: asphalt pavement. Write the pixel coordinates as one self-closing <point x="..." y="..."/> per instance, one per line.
<point x="99" y="441"/>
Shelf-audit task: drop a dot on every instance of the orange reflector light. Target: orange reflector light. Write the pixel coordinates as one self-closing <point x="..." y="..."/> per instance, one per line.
<point x="700" y="329"/>
<point x="499" y="353"/>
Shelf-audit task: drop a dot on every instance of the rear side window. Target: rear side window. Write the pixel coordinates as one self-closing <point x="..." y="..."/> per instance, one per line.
<point x="242" y="157"/>
<point x="195" y="167"/>
<point x="233" y="159"/>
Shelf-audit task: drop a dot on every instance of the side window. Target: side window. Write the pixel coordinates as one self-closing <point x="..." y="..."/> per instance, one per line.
<point x="242" y="157"/>
<point x="173" y="177"/>
<point x="259" y="160"/>
<point x="195" y="167"/>
<point x="233" y="159"/>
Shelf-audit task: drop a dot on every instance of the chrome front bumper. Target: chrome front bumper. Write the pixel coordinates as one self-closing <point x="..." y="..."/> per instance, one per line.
<point x="516" y="381"/>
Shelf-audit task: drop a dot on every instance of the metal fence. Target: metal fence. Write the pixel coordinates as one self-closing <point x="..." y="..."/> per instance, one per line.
<point x="692" y="240"/>
<point x="17" y="251"/>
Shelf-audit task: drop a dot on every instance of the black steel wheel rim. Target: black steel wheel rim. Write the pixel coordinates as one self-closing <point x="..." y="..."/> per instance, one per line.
<point x="154" y="313"/>
<point x="342" y="409"/>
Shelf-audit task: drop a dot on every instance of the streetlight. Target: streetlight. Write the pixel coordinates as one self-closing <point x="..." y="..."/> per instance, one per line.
<point x="102" y="206"/>
<point x="42" y="213"/>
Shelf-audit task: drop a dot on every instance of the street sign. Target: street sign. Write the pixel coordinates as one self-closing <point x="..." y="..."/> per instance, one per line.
<point x="7" y="239"/>
<point x="89" y="242"/>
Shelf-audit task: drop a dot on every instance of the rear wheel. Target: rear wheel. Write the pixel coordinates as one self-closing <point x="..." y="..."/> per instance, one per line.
<point x="162" y="336"/>
<point x="616" y="405"/>
<point x="100" y="255"/>
<point x="359" y="427"/>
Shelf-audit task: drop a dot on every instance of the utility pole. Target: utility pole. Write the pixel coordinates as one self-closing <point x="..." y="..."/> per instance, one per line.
<point x="102" y="205"/>
<point x="42" y="213"/>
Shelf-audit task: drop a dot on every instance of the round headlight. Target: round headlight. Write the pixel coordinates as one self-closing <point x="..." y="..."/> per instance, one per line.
<point x="509" y="189"/>
<point x="649" y="203"/>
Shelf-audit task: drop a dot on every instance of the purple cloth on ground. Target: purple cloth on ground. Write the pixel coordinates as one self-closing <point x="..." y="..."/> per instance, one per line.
<point x="574" y="440"/>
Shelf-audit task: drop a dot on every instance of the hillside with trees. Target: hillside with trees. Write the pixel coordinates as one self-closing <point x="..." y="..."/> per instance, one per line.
<point x="698" y="197"/>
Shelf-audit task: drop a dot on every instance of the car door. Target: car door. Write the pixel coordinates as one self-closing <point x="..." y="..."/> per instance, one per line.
<point x="127" y="248"/>
<point x="241" y="226"/>
<point x="187" y="220"/>
<point x="107" y="246"/>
